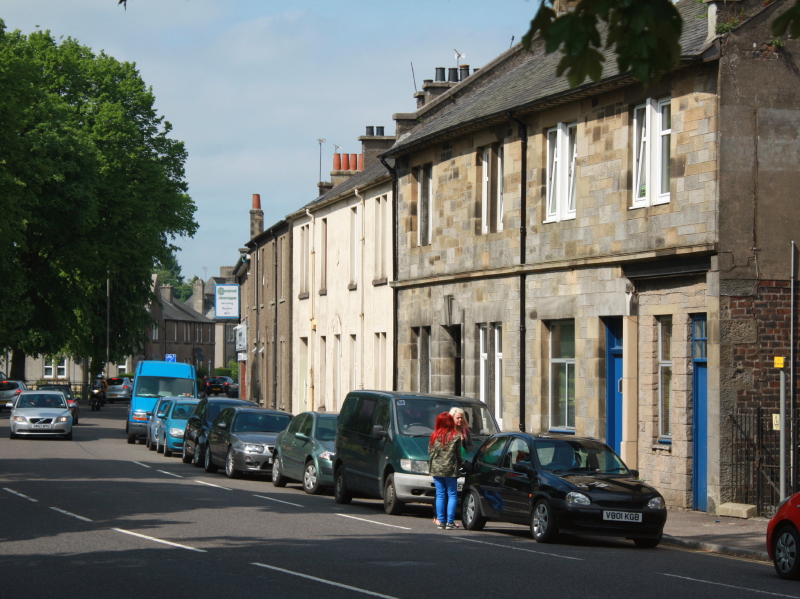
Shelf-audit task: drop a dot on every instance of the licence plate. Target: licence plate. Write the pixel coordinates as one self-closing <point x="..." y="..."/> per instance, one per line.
<point x="622" y="516"/>
<point x="41" y="426"/>
<point x="460" y="486"/>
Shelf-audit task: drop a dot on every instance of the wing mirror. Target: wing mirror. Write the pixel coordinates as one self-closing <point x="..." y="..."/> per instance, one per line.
<point x="378" y="432"/>
<point x="466" y="466"/>
<point x="302" y="436"/>
<point x="149" y="413"/>
<point x="201" y="395"/>
<point x="222" y="425"/>
<point x="9" y="404"/>
<point x="634" y="473"/>
<point x="524" y="468"/>
<point x="161" y="415"/>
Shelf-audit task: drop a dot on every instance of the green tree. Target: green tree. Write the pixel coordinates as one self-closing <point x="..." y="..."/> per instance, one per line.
<point x="169" y="273"/>
<point x="95" y="189"/>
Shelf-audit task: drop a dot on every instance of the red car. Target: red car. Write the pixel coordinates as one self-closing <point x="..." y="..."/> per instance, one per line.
<point x="783" y="538"/>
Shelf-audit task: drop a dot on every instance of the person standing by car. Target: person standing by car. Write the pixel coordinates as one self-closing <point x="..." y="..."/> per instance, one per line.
<point x="445" y="452"/>
<point x="462" y="428"/>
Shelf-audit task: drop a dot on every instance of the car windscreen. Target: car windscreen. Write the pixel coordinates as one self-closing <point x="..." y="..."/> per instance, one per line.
<point x="254" y="422"/>
<point x="63" y="390"/>
<point x="416" y="417"/>
<point x="115" y="381"/>
<point x="6" y="386"/>
<point x="41" y="401"/>
<point x="557" y="455"/>
<point x="326" y="428"/>
<point x="182" y="411"/>
<point x="163" y="386"/>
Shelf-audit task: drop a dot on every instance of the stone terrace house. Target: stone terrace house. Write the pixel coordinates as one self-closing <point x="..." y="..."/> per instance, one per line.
<point x="342" y="266"/>
<point x="628" y="246"/>
<point x="264" y="273"/>
<point x="202" y="300"/>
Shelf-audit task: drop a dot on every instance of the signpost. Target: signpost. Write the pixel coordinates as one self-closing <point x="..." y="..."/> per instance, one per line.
<point x="170" y="358"/>
<point x="226" y="301"/>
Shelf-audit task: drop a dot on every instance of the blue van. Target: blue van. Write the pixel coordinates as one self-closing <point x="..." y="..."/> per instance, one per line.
<point x="154" y="380"/>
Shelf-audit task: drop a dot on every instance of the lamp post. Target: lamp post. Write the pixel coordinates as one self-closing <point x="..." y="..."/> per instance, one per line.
<point x="108" y="317"/>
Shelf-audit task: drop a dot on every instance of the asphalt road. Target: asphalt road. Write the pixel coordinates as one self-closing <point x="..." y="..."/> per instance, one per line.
<point x="96" y="517"/>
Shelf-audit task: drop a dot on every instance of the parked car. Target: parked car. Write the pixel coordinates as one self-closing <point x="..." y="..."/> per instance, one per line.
<point x="243" y="440"/>
<point x="233" y="389"/>
<point x="10" y="390"/>
<point x="72" y="401"/>
<point x="40" y="414"/>
<point x="382" y="444"/>
<point x="195" y="434"/>
<point x="218" y="385"/>
<point x="162" y="405"/>
<point x="783" y="539"/>
<point x="119" y="389"/>
<point x="560" y="484"/>
<point x="305" y="452"/>
<point x="170" y="434"/>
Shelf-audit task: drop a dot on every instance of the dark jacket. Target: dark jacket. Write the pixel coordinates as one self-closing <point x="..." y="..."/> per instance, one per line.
<point x="445" y="460"/>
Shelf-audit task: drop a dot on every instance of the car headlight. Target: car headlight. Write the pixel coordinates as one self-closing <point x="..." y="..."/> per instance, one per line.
<point x="139" y="416"/>
<point x="327" y="455"/>
<point x="62" y="419"/>
<point x="415" y="466"/>
<point x="254" y="448"/>
<point x="656" y="503"/>
<point x="18" y="418"/>
<point x="575" y="498"/>
<point x="176" y="432"/>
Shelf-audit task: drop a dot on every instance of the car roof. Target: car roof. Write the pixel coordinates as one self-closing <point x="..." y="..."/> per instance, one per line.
<point x="42" y="392"/>
<point x="263" y="410"/>
<point x="413" y="395"/>
<point x="231" y="401"/>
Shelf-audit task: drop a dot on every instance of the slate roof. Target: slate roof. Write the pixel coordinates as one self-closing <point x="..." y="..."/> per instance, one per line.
<point x="177" y="310"/>
<point x="533" y="81"/>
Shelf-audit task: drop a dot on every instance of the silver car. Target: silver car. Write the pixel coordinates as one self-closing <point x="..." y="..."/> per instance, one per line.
<point x="40" y="414"/>
<point x="9" y="391"/>
<point x="119" y="389"/>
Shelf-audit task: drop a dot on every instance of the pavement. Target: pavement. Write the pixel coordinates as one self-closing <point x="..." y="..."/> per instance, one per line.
<point x="718" y="534"/>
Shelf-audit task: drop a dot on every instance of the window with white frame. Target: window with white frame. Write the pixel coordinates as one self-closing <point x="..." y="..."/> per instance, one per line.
<point x="337" y="370"/>
<point x="425" y="204"/>
<point x="154" y="334"/>
<point x="562" y="162"/>
<point x="305" y="257"/>
<point x="652" y="128"/>
<point x="381" y="211"/>
<point x="379" y="357"/>
<point x="491" y="163"/>
<point x="562" y="374"/>
<point x="55" y="368"/>
<point x="490" y="349"/>
<point x="323" y="369"/>
<point x="421" y="340"/>
<point x="665" y="377"/>
<point x="353" y="362"/>
<point x="323" y="259"/>
<point x="122" y="368"/>
<point x="354" y="245"/>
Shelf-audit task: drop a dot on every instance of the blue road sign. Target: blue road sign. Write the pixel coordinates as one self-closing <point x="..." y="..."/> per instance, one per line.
<point x="170" y="358"/>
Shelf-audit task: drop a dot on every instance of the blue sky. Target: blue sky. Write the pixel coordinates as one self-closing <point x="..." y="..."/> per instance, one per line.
<point x="250" y="85"/>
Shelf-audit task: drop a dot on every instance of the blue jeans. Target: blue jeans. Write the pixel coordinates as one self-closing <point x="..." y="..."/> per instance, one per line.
<point x="446" y="495"/>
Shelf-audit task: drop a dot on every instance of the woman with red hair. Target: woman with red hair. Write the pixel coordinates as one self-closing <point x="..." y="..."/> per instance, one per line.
<point x="444" y="450"/>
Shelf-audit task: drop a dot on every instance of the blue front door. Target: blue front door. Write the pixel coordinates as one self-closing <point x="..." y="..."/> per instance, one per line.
<point x="613" y="382"/>
<point x="700" y="413"/>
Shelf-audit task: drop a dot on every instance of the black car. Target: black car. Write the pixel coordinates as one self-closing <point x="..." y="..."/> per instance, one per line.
<point x="560" y="484"/>
<point x="218" y="385"/>
<point x="233" y="389"/>
<point x="196" y="434"/>
<point x="243" y="440"/>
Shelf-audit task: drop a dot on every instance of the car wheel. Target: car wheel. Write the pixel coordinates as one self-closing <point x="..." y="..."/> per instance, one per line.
<point x="391" y="504"/>
<point x="230" y="465"/>
<point x="167" y="450"/>
<point x="131" y="439"/>
<point x="785" y="552"/>
<point x="185" y="457"/>
<point x="543" y="524"/>
<point x="68" y="436"/>
<point x="471" y="516"/>
<point x="311" y="480"/>
<point x="278" y="479"/>
<point x="12" y="435"/>
<point x="197" y="457"/>
<point x="148" y="443"/>
<point x="159" y="446"/>
<point x="208" y="461"/>
<point x="647" y="543"/>
<point x="341" y="494"/>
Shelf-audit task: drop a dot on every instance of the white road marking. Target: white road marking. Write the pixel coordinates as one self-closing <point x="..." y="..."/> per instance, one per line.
<point x="71" y="514"/>
<point x="577" y="559"/>
<point x="278" y="500"/>
<point x="210" y="485"/>
<point x="323" y="581"/>
<point x="170" y="473"/>
<point x="730" y="586"/>
<point x="143" y="465"/>
<point x="136" y="534"/>
<point x="21" y="495"/>
<point x="373" y="521"/>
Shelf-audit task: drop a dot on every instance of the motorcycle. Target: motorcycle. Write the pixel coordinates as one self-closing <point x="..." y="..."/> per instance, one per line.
<point x="96" y="399"/>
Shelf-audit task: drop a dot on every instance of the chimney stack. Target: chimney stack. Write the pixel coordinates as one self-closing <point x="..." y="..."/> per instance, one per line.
<point x="198" y="295"/>
<point x="165" y="292"/>
<point x="373" y="146"/>
<point x="324" y="187"/>
<point x="256" y="217"/>
<point x="452" y="75"/>
<point x="439" y="73"/>
<point x="464" y="68"/>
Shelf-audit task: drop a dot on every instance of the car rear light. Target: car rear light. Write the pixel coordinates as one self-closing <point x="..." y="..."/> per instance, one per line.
<point x="18" y="391"/>
<point x="124" y="386"/>
<point x="226" y="384"/>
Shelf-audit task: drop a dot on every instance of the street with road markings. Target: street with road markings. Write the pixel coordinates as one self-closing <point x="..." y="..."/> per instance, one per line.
<point x="98" y="517"/>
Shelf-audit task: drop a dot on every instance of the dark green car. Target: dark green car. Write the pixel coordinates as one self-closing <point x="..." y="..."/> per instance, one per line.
<point x="304" y="452"/>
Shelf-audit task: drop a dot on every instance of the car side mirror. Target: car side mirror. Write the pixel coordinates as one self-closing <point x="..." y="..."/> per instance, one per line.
<point x="378" y="432"/>
<point x="466" y="466"/>
<point x="149" y="413"/>
<point x="523" y="468"/>
<point x="634" y="473"/>
<point x="9" y="404"/>
<point x="222" y="425"/>
<point x="161" y="415"/>
<point x="302" y="436"/>
<point x="201" y="395"/>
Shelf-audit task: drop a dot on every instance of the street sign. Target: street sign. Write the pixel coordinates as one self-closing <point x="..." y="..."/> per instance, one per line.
<point x="776" y="422"/>
<point x="778" y="361"/>
<point x="170" y="358"/>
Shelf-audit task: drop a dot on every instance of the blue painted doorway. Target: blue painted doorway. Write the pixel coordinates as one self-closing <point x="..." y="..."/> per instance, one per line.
<point x="613" y="382"/>
<point x="700" y="413"/>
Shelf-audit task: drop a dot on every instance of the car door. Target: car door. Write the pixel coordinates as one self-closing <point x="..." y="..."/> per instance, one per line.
<point x="486" y="476"/>
<point x="373" y="462"/>
<point x="361" y="446"/>
<point x="219" y="433"/>
<point x="303" y="443"/>
<point x="515" y="486"/>
<point x="289" y="460"/>
<point x="193" y="425"/>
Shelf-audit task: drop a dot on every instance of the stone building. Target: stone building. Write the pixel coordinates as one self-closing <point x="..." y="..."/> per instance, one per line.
<point x="202" y="301"/>
<point x="610" y="260"/>
<point x="342" y="266"/>
<point x="265" y="275"/>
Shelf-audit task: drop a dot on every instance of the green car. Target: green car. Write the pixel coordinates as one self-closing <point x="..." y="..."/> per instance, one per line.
<point x="304" y="452"/>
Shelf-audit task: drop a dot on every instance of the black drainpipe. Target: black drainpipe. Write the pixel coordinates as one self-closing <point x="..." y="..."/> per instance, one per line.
<point x="523" y="220"/>
<point x="275" y="321"/>
<point x="393" y="173"/>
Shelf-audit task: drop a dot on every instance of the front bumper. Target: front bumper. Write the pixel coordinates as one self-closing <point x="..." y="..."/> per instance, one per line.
<point x="417" y="488"/>
<point x="173" y="443"/>
<point x="254" y="462"/>
<point x="137" y="428"/>
<point x="56" y="429"/>
<point x="589" y="521"/>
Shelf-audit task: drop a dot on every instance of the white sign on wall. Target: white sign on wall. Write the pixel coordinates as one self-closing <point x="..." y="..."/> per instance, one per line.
<point x="226" y="301"/>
